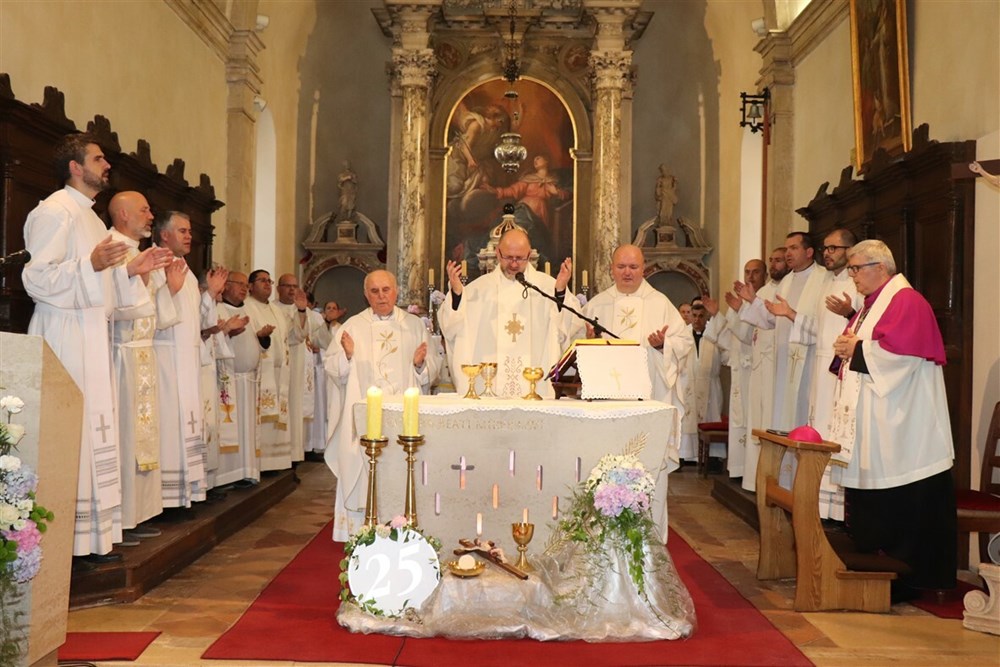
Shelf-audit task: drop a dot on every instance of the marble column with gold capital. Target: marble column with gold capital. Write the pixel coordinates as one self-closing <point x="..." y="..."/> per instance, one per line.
<point x="611" y="71"/>
<point x="413" y="72"/>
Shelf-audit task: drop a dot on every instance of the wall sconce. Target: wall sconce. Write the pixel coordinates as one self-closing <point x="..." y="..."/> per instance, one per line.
<point x="755" y="109"/>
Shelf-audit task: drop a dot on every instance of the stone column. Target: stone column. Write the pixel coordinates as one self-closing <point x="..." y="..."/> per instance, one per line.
<point x="610" y="62"/>
<point x="412" y="73"/>
<point x="778" y="76"/>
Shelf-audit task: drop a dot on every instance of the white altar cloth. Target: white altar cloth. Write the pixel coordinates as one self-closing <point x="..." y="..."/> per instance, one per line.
<point x="533" y="452"/>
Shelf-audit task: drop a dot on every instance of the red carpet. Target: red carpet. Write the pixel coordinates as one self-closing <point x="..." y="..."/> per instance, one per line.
<point x="953" y="605"/>
<point x="89" y="646"/>
<point x="294" y="618"/>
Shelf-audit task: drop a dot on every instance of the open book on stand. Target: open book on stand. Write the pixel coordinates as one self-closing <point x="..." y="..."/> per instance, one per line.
<point x="593" y="368"/>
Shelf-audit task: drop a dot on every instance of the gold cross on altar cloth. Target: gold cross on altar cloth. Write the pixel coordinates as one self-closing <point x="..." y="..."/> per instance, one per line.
<point x="618" y="378"/>
<point x="514" y="327"/>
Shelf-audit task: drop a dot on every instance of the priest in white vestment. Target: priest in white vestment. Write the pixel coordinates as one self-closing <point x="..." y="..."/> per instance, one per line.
<point x="385" y="347"/>
<point x="332" y="314"/>
<point x="182" y="445"/>
<point x="891" y="420"/>
<point x="135" y="372"/>
<point x="734" y="338"/>
<point x="821" y="329"/>
<point x="319" y="341"/>
<point x="77" y="276"/>
<point x="760" y="398"/>
<point x="633" y="310"/>
<point x="273" y="329"/>
<point x="701" y="383"/>
<point x="293" y="304"/>
<point x="496" y="319"/>
<point x="239" y="453"/>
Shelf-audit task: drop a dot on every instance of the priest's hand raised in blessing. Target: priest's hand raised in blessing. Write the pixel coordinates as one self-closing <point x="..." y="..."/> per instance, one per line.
<point x="454" y="271"/>
<point x="347" y="343"/>
<point x="565" y="273"/>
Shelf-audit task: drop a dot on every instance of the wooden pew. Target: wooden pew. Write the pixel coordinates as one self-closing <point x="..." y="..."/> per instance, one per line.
<point x="792" y="540"/>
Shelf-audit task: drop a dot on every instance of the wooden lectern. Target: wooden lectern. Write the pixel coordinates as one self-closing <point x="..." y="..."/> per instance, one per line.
<point x="52" y="417"/>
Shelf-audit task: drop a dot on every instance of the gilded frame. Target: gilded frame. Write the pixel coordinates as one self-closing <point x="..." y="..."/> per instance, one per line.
<point x="880" y="68"/>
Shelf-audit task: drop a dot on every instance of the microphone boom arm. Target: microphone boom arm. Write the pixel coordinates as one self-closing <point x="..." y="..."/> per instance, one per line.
<point x="592" y="321"/>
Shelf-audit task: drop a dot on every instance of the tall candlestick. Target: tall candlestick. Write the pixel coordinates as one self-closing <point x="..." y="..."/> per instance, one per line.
<point x="430" y="276"/>
<point x="479" y="524"/>
<point x="583" y="278"/>
<point x="374" y="424"/>
<point x="524" y="515"/>
<point x="410" y="411"/>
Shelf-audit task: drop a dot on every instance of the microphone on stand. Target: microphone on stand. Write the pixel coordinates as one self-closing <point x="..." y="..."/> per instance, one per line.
<point x="15" y="258"/>
<point x="519" y="277"/>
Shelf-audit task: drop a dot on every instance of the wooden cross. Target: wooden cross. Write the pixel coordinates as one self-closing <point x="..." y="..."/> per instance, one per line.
<point x="514" y="327"/>
<point x="103" y="428"/>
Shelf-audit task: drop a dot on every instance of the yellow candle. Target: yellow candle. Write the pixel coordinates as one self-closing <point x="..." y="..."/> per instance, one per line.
<point x="524" y="515"/>
<point x="410" y="411"/>
<point x="465" y="268"/>
<point x="430" y="276"/>
<point x="374" y="430"/>
<point x="548" y="268"/>
<point x="583" y="278"/>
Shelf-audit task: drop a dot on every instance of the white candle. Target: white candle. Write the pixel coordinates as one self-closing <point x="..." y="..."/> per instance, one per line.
<point x="411" y="411"/>
<point x="479" y="524"/>
<point x="538" y="478"/>
<point x="437" y="503"/>
<point x="548" y="268"/>
<point x="524" y="515"/>
<point x="555" y="507"/>
<point x="583" y="278"/>
<point x="510" y="463"/>
<point x="430" y="276"/>
<point x="423" y="472"/>
<point x="496" y="496"/>
<point x="374" y="425"/>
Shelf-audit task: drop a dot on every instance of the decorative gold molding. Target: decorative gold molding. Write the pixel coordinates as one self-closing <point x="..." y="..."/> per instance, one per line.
<point x="814" y="25"/>
<point x="207" y="21"/>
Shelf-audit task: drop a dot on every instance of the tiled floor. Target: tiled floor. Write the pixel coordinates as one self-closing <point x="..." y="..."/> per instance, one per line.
<point x="196" y="606"/>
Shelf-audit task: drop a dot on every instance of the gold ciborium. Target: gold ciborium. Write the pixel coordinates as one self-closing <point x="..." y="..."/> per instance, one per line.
<point x="522" y="533"/>
<point x="472" y="372"/>
<point x="532" y="375"/>
<point x="489" y="373"/>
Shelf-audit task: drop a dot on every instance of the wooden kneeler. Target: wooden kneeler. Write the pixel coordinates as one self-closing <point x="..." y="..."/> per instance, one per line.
<point x="792" y="540"/>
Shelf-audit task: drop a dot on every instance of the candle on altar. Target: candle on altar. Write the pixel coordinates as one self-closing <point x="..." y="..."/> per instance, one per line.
<point x="583" y="278"/>
<point x="538" y="478"/>
<point x="465" y="268"/>
<point x="430" y="276"/>
<point x="374" y="424"/>
<point x="479" y="524"/>
<point x="548" y="268"/>
<point x="524" y="515"/>
<point x="578" y="470"/>
<point x="555" y="507"/>
<point x="437" y="503"/>
<point x="410" y="411"/>
<point x="510" y="463"/>
<point x="461" y="472"/>
<point x="496" y="496"/>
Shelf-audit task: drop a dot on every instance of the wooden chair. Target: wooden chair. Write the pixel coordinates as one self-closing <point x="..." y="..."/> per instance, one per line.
<point x="979" y="511"/>
<point x="709" y="432"/>
<point x="792" y="540"/>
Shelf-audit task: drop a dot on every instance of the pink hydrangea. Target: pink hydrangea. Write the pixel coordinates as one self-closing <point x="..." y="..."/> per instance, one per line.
<point x="27" y="538"/>
<point x="398" y="521"/>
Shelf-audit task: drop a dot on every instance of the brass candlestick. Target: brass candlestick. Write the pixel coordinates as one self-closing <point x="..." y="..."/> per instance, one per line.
<point x="373" y="447"/>
<point x="410" y="444"/>
<point x="532" y="375"/>
<point x="523" y="532"/>
<point x="472" y="372"/>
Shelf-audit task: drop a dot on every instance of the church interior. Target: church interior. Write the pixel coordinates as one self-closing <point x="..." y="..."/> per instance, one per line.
<point x="326" y="139"/>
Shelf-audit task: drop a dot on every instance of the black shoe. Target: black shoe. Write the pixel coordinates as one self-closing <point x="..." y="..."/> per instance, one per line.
<point x="128" y="540"/>
<point x="245" y="483"/>
<point x="902" y="593"/>
<point x="145" y="531"/>
<point x="101" y="559"/>
<point x="215" y="496"/>
<point x="315" y="457"/>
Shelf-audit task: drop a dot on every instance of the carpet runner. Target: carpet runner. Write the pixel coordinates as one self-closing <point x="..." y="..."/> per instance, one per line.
<point x="94" y="646"/>
<point x="294" y="618"/>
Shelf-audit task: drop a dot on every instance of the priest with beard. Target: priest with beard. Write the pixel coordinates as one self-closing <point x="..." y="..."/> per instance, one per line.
<point x="496" y="319"/>
<point x="384" y="347"/>
<point x="891" y="420"/>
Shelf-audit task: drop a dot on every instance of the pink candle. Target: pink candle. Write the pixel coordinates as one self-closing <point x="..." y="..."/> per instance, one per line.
<point x="538" y="478"/>
<point x="423" y="472"/>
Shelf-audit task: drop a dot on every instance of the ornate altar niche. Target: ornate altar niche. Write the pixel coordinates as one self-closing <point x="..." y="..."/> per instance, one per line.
<point x="925" y="215"/>
<point x="28" y="137"/>
<point x="678" y="247"/>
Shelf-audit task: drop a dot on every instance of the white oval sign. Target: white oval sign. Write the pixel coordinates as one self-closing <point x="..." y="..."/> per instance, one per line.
<point x="392" y="575"/>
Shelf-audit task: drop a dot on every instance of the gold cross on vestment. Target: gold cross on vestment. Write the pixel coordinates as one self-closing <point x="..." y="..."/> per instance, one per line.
<point x="514" y="327"/>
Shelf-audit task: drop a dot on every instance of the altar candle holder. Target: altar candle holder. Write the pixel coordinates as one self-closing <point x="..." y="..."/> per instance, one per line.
<point x="410" y="444"/>
<point x="373" y="447"/>
<point x="522" y="533"/>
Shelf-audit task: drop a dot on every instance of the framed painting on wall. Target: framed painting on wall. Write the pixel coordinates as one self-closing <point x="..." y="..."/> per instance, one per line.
<point x="880" y="66"/>
<point x="477" y="188"/>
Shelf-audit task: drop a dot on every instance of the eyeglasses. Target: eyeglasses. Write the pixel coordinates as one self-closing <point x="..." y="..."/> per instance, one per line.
<point x="852" y="269"/>
<point x="513" y="260"/>
<point x="834" y="248"/>
<point x="287" y="285"/>
<point x="266" y="281"/>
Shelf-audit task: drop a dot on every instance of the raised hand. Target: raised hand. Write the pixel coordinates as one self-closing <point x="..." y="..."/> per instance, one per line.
<point x="347" y="343"/>
<point x="237" y="325"/>
<point x="454" y="271"/>
<point x="657" y="337"/>
<point x="216" y="280"/>
<point x="780" y="308"/>
<point x="107" y="253"/>
<point x="733" y="301"/>
<point x="711" y="305"/>
<point x="265" y="331"/>
<point x="745" y="291"/>
<point x="148" y="260"/>
<point x="843" y="307"/>
<point x="418" y="355"/>
<point x="301" y="300"/>
<point x="176" y="272"/>
<point x="565" y="273"/>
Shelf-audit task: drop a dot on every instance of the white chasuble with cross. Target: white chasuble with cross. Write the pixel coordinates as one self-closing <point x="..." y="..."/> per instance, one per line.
<point x="514" y="329"/>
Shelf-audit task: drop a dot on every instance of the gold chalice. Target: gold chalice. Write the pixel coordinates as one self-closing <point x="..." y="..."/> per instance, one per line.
<point x="489" y="373"/>
<point x="532" y="375"/>
<point x="472" y="372"/>
<point x="522" y="533"/>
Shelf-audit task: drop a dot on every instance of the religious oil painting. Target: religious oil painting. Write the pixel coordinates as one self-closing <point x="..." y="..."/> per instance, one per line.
<point x="881" y="78"/>
<point x="542" y="190"/>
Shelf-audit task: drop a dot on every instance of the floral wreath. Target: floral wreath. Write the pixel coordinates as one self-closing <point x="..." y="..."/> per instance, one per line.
<point x="22" y="523"/>
<point x="397" y="529"/>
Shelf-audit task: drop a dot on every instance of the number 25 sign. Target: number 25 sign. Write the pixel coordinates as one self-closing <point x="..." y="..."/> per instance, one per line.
<point x="393" y="575"/>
